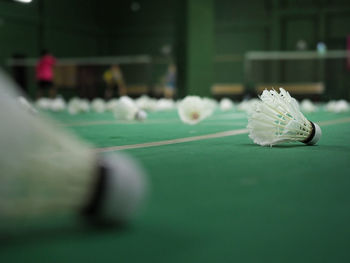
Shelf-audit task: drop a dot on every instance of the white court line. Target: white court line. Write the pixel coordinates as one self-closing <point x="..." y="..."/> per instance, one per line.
<point x="173" y="141"/>
<point x="332" y="122"/>
<point x="198" y="138"/>
<point x="231" y="116"/>
<point x="224" y="123"/>
<point x="114" y="122"/>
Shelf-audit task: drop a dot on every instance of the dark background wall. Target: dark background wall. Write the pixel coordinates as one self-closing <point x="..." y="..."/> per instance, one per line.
<point x="91" y="28"/>
<point x="275" y="25"/>
<point x="140" y="27"/>
<point x="68" y="28"/>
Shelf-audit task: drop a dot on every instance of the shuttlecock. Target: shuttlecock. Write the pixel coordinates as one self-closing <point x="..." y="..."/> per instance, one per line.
<point x="165" y="104"/>
<point x="337" y="106"/>
<point x="58" y="104"/>
<point x="146" y="103"/>
<point x="111" y="104"/>
<point x="248" y="105"/>
<point x="77" y="105"/>
<point x="141" y="115"/>
<point x="47" y="172"/>
<point x="43" y="103"/>
<point x="126" y="109"/>
<point x="210" y="104"/>
<point x="278" y="119"/>
<point x="330" y="106"/>
<point x="226" y="104"/>
<point x="74" y="106"/>
<point x="342" y="106"/>
<point x="98" y="105"/>
<point x="193" y="109"/>
<point x="84" y="105"/>
<point x="307" y="106"/>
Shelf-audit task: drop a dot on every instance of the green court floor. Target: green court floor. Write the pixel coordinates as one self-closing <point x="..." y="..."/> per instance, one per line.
<point x="220" y="199"/>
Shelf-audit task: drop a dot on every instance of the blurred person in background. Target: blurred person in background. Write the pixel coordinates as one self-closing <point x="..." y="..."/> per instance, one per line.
<point x="170" y="81"/>
<point x="44" y="74"/>
<point x="115" y="83"/>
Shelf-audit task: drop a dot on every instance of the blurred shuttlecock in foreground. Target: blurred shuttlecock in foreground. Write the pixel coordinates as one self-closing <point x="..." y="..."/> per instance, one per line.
<point x="26" y="105"/>
<point x="193" y="109"/>
<point x="47" y="172"/>
<point x="278" y="119"/>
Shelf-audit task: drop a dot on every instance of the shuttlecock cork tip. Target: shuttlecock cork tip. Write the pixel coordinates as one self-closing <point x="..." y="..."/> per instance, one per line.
<point x="315" y="134"/>
<point x="118" y="192"/>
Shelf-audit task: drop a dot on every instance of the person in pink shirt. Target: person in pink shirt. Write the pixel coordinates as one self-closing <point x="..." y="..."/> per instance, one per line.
<point x="44" y="74"/>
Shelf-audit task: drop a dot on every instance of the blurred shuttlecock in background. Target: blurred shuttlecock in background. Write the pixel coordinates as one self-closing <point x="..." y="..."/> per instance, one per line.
<point x="248" y="105"/>
<point x="77" y="105"/>
<point x="342" y="106"/>
<point x="146" y="103"/>
<point x="111" y="104"/>
<point x="337" y="106"/>
<point x="84" y="105"/>
<point x="126" y="109"/>
<point x="58" y="104"/>
<point x="43" y="103"/>
<point x="98" y="105"/>
<point x="278" y="119"/>
<point x="193" y="109"/>
<point x="165" y="104"/>
<point x="226" y="104"/>
<point x="210" y="105"/>
<point x="307" y="105"/>
<point x="74" y="106"/>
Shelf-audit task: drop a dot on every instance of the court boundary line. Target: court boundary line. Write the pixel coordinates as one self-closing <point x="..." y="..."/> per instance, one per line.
<point x="111" y="122"/>
<point x="222" y="117"/>
<point x="332" y="122"/>
<point x="173" y="141"/>
<point x="198" y="138"/>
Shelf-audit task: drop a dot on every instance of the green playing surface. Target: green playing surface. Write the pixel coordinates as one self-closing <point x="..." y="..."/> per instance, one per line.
<point x="218" y="199"/>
